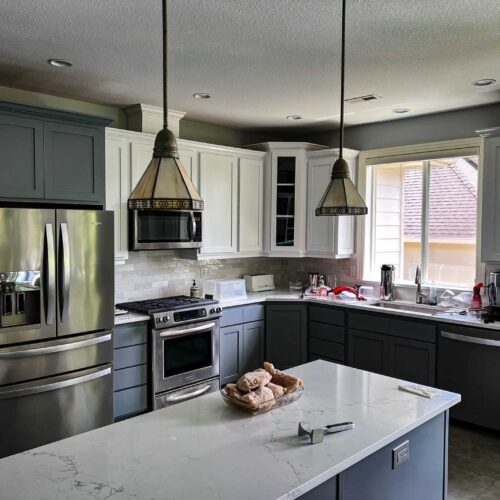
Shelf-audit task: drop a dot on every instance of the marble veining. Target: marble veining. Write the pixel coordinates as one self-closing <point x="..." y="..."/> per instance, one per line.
<point x="206" y="449"/>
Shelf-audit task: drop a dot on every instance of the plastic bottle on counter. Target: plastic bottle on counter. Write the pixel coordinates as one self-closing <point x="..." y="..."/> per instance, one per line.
<point x="433" y="295"/>
<point x="477" y="301"/>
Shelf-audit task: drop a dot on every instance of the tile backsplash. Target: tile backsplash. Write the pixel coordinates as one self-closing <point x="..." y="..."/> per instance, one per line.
<point x="148" y="275"/>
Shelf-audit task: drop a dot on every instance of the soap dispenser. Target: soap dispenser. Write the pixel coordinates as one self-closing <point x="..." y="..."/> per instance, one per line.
<point x="477" y="302"/>
<point x="194" y="291"/>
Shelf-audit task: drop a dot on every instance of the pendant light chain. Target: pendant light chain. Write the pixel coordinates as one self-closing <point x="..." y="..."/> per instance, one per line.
<point x="342" y="78"/>
<point x="165" y="63"/>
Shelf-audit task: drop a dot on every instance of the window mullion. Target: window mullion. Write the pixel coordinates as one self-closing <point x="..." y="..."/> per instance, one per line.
<point x="424" y="250"/>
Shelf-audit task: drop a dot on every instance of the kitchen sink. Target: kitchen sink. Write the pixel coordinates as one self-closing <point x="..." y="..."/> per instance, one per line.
<point x="410" y="307"/>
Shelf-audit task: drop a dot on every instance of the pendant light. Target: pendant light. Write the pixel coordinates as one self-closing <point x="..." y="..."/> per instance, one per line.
<point x="165" y="183"/>
<point x="341" y="196"/>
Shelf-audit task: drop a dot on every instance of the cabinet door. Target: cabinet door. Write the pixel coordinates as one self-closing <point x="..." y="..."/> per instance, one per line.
<point x="118" y="191"/>
<point x="250" y="201"/>
<point x="412" y="360"/>
<point x="368" y="351"/>
<point x="286" y="335"/>
<point x="231" y="353"/>
<point x="253" y="346"/>
<point x="141" y="154"/>
<point x="218" y="188"/>
<point x="189" y="160"/>
<point x="319" y="229"/>
<point x="74" y="162"/>
<point x="21" y="163"/>
<point x="490" y="242"/>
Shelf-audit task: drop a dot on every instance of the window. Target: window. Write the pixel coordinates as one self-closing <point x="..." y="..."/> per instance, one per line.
<point x="423" y="212"/>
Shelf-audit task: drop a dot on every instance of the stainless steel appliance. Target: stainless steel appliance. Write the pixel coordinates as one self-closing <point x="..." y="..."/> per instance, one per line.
<point x="387" y="282"/>
<point x="494" y="288"/>
<point x="158" y="229"/>
<point x="468" y="364"/>
<point x="56" y="317"/>
<point x="185" y="345"/>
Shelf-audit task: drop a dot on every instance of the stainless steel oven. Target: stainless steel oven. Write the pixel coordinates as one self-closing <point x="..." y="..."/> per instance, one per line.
<point x="185" y="355"/>
<point x="164" y="229"/>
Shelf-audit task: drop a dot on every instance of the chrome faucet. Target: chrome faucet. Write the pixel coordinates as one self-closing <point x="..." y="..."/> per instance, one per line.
<point x="418" y="281"/>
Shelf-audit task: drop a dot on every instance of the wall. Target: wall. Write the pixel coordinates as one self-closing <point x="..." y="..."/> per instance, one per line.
<point x="445" y="126"/>
<point x="160" y="274"/>
<point x="189" y="129"/>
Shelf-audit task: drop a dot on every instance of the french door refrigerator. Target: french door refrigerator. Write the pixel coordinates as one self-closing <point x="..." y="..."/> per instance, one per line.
<point x="56" y="320"/>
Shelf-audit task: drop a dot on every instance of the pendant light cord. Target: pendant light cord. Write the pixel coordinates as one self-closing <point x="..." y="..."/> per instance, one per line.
<point x="165" y="62"/>
<point x="342" y="77"/>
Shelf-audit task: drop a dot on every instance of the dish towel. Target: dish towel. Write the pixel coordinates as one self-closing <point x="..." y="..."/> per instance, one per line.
<point x="418" y="389"/>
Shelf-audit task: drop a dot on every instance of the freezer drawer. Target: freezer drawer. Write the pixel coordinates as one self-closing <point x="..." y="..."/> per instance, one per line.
<point x="44" y="359"/>
<point x="42" y="411"/>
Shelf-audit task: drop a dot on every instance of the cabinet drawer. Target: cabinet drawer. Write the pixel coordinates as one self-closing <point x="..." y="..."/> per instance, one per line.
<point x="254" y="312"/>
<point x="130" y="377"/>
<point x="134" y="400"/>
<point x="232" y="316"/>
<point x="327" y="315"/>
<point x="369" y="322"/>
<point x="425" y="332"/>
<point x="330" y="333"/>
<point x="130" y="334"/>
<point x="330" y="350"/>
<point x="130" y="356"/>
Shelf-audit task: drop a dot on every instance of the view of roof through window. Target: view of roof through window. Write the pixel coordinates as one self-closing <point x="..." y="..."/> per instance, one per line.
<point x="426" y="214"/>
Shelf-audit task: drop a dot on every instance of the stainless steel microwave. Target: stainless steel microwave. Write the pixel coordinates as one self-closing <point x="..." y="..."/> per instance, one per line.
<point x="158" y="229"/>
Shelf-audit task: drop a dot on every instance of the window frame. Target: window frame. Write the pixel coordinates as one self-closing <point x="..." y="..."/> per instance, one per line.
<point x="416" y="152"/>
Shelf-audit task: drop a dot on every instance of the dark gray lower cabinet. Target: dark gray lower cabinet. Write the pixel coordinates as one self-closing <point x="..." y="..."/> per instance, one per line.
<point x="131" y="378"/>
<point x="423" y="476"/>
<point x="369" y="351"/>
<point x="394" y="346"/>
<point x="241" y="344"/>
<point x="286" y="335"/>
<point x="327" y="334"/>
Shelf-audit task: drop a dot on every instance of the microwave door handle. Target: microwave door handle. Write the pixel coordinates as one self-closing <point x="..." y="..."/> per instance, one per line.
<point x="66" y="273"/>
<point x="50" y="275"/>
<point x="193" y="226"/>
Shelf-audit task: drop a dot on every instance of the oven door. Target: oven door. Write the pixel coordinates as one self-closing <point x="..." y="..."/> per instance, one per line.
<point x="186" y="354"/>
<point x="164" y="229"/>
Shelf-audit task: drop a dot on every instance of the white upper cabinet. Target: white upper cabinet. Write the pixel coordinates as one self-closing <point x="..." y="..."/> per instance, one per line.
<point x="230" y="181"/>
<point x="490" y="224"/>
<point x="250" y="206"/>
<point x="328" y="237"/>
<point x="285" y="197"/>
<point x="218" y="188"/>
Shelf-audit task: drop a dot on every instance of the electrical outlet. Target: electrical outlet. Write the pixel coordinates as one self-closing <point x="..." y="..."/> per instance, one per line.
<point x="400" y="454"/>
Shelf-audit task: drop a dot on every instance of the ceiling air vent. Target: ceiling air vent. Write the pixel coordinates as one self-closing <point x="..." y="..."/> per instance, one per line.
<point x="363" y="98"/>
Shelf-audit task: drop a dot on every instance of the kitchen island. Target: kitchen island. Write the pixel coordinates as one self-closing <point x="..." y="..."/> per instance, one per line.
<point x="205" y="449"/>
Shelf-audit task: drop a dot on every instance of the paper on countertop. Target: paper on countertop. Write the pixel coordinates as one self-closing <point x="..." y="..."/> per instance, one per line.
<point x="419" y="390"/>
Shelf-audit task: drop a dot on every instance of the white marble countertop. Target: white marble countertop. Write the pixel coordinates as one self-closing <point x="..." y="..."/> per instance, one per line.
<point x="205" y="449"/>
<point x="130" y="317"/>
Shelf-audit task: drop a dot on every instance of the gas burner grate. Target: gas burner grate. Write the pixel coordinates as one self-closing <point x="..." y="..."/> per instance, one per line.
<point x="164" y="304"/>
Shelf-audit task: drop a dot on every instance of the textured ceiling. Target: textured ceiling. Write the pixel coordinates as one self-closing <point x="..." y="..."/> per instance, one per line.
<point x="260" y="59"/>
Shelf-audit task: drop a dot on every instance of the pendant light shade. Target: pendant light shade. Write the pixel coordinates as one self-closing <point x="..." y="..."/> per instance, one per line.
<point x="165" y="184"/>
<point x="341" y="196"/>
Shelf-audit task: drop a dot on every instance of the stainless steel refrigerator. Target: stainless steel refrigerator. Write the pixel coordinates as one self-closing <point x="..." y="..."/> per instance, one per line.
<point x="56" y="320"/>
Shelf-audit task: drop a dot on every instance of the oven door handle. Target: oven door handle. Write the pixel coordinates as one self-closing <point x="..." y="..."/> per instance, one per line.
<point x="170" y="332"/>
<point x="471" y="340"/>
<point x="183" y="397"/>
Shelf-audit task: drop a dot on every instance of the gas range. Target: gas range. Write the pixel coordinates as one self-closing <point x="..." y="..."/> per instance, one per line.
<point x="169" y="311"/>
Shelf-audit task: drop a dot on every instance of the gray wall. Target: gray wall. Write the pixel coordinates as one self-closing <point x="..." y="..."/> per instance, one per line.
<point x="450" y="125"/>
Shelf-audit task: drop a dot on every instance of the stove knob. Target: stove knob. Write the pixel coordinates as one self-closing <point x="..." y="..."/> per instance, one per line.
<point x="212" y="311"/>
<point x="165" y="319"/>
<point x="219" y="309"/>
<point x="158" y="320"/>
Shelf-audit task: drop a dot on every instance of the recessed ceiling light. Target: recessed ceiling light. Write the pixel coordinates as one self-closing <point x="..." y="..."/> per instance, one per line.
<point x="201" y="95"/>
<point x="294" y="117"/>
<point x="484" y="82"/>
<point x="59" y="63"/>
<point x="400" y="111"/>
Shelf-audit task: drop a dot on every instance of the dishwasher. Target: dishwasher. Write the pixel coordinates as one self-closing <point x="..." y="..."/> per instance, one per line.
<point x="469" y="363"/>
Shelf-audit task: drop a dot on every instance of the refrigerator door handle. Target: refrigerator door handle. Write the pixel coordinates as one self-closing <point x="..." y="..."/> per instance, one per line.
<point x="50" y="278"/>
<point x="65" y="274"/>
<point x="39" y="386"/>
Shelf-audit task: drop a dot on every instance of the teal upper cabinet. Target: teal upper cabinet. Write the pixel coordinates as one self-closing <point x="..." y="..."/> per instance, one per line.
<point x="21" y="161"/>
<point x="51" y="156"/>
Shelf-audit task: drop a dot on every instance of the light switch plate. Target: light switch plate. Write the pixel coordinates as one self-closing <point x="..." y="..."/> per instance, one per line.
<point x="400" y="454"/>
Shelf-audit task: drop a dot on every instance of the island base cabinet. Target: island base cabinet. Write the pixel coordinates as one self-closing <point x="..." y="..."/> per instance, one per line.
<point x="422" y="476"/>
